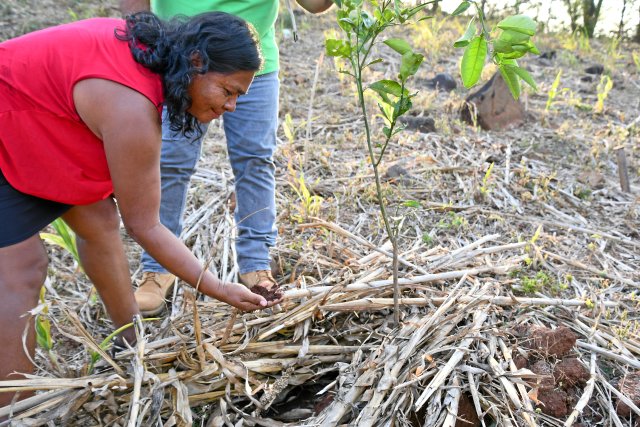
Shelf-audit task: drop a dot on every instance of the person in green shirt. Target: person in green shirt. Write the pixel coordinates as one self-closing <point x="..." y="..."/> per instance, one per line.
<point x="251" y="142"/>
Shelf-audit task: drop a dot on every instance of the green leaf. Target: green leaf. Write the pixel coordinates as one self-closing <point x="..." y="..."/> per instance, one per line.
<point x="515" y="54"/>
<point x="411" y="204"/>
<point x="387" y="87"/>
<point x="415" y="10"/>
<point x="524" y="75"/>
<point x="344" y="20"/>
<point x="375" y="61"/>
<point x="501" y="46"/>
<point x="398" y="45"/>
<point x="387" y="110"/>
<point x="462" y="7"/>
<point x="68" y="237"/>
<point x="53" y="239"/>
<point x="519" y="23"/>
<point x="410" y="64"/>
<point x="473" y="61"/>
<point x="533" y="48"/>
<point x="513" y="37"/>
<point x="43" y="334"/>
<point x="367" y="20"/>
<point x="340" y="48"/>
<point x="338" y="2"/>
<point x="402" y="107"/>
<point x="468" y="34"/>
<point x="511" y="79"/>
<point x="518" y="52"/>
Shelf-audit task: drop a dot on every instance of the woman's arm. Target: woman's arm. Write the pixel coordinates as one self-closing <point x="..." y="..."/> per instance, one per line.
<point x="129" y="126"/>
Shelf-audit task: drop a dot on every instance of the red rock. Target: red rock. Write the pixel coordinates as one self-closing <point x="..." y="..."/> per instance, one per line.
<point x="520" y="361"/>
<point x="545" y="371"/>
<point x="553" y="402"/>
<point x="570" y="373"/>
<point x="557" y="342"/>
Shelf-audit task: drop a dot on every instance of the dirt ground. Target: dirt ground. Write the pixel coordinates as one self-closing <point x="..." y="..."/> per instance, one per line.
<point x="545" y="193"/>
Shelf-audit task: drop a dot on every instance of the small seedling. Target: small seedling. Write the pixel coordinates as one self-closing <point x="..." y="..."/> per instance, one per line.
<point x="428" y="239"/>
<point x="636" y="61"/>
<point x="42" y="323"/>
<point x="64" y="238"/>
<point x="309" y="204"/>
<point x="107" y="343"/>
<point x="485" y="187"/>
<point x="364" y="22"/>
<point x="553" y="91"/>
<point x="604" y="87"/>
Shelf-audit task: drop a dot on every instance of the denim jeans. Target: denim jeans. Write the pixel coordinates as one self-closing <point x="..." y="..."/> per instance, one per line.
<point x="251" y="142"/>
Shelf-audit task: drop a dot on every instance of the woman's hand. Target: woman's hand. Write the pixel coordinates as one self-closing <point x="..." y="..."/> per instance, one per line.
<point x="242" y="298"/>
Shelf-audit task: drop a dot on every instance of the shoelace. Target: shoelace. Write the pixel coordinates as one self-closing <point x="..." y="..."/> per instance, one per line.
<point x="264" y="276"/>
<point x="154" y="278"/>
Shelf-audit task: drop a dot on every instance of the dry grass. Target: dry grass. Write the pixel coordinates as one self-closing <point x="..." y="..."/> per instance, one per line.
<point x="546" y="239"/>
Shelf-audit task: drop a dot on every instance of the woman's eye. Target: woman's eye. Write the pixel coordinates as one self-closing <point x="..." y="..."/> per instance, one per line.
<point x="227" y="92"/>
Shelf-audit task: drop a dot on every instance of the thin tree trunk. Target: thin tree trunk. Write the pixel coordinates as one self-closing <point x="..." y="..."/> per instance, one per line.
<point x="637" y="36"/>
<point x="434" y="6"/>
<point x="621" y="25"/>
<point x="590" y="15"/>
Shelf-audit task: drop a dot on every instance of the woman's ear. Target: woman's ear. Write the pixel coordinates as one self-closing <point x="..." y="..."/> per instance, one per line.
<point x="196" y="59"/>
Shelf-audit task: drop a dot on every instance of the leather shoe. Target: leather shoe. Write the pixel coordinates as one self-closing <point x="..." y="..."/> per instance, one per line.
<point x="152" y="292"/>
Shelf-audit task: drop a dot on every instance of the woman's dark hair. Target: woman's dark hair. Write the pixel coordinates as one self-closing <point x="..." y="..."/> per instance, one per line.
<point x="223" y="43"/>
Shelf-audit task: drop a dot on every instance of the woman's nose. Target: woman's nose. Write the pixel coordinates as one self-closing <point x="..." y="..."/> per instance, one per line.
<point x="230" y="105"/>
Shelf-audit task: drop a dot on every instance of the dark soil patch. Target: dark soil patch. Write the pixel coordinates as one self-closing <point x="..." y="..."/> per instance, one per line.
<point x="467" y="416"/>
<point x="273" y="293"/>
<point x="301" y="401"/>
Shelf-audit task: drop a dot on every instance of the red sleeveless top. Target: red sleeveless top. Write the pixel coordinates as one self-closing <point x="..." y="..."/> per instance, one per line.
<point x="45" y="148"/>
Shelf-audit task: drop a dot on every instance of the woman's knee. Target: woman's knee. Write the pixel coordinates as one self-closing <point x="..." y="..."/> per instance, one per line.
<point x="94" y="221"/>
<point x="23" y="266"/>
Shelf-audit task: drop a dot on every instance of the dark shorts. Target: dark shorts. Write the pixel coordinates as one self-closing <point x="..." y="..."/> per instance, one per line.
<point x="22" y="215"/>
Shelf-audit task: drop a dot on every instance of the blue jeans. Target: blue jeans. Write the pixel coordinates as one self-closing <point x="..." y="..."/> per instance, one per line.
<point x="251" y="142"/>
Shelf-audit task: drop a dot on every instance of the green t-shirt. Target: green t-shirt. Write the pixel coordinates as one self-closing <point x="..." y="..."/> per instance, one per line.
<point x="261" y="14"/>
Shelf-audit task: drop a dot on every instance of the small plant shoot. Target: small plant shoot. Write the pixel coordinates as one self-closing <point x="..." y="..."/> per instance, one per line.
<point x="364" y="23"/>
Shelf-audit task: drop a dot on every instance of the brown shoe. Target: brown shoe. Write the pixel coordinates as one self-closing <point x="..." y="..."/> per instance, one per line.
<point x="152" y="292"/>
<point x="262" y="283"/>
<point x="261" y="277"/>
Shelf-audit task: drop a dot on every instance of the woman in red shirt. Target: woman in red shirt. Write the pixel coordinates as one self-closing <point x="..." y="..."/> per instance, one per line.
<point x="80" y="126"/>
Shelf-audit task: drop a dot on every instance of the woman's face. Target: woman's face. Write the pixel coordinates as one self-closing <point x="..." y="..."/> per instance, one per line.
<point x="213" y="94"/>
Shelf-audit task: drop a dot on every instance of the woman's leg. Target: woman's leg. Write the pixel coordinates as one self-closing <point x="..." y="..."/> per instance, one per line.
<point x="23" y="268"/>
<point x="97" y="228"/>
